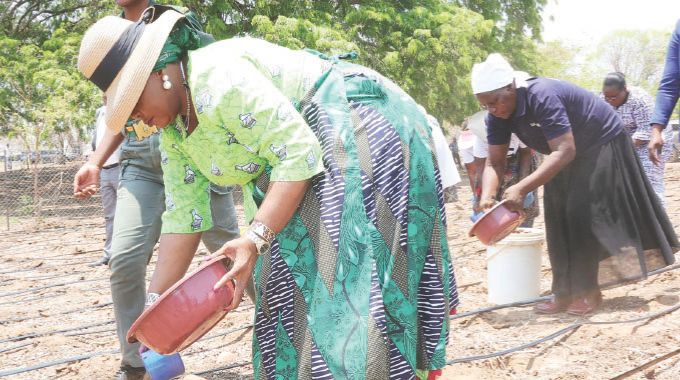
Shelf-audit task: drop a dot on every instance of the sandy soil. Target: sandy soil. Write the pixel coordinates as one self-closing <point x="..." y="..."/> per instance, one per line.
<point x="53" y="307"/>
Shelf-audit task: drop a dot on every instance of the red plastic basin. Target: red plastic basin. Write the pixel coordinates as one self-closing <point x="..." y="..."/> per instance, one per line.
<point x="496" y="224"/>
<point x="185" y="312"/>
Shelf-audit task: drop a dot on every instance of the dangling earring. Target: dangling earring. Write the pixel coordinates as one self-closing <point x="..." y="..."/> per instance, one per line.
<point x="166" y="82"/>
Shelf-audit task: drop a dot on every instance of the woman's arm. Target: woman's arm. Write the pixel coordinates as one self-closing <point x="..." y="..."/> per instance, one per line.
<point x="563" y="153"/>
<point x="525" y="155"/>
<point x="175" y="253"/>
<point x="278" y="207"/>
<point x="669" y="86"/>
<point x="667" y="95"/>
<point x="642" y="114"/>
<point x="86" y="180"/>
<point x="493" y="174"/>
<point x="480" y="163"/>
<point x="280" y="203"/>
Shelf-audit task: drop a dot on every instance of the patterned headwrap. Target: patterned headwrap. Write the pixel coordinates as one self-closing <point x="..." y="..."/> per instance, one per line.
<point x="187" y="35"/>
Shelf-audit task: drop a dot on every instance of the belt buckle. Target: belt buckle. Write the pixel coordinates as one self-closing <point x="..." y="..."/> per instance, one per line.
<point x="143" y="131"/>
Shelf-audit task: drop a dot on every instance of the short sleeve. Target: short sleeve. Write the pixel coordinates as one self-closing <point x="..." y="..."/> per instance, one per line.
<point x="480" y="148"/>
<point x="447" y="167"/>
<point x="498" y="130"/>
<point x="187" y="190"/>
<point x="268" y="121"/>
<point x="642" y="112"/>
<point x="466" y="155"/>
<point x="551" y="114"/>
<point x="261" y="118"/>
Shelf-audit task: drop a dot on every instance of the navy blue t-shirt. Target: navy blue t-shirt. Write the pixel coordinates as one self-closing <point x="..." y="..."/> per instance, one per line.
<point x="549" y="108"/>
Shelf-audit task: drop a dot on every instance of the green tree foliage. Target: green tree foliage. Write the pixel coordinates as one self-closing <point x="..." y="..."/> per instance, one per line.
<point x="636" y="53"/>
<point x="36" y="20"/>
<point x="617" y="51"/>
<point x="428" y="47"/>
<point x="40" y="92"/>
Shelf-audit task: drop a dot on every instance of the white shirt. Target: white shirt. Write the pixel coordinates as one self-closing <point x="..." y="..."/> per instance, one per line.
<point x="480" y="148"/>
<point x="99" y="134"/>
<point x="466" y="142"/>
<point x="447" y="167"/>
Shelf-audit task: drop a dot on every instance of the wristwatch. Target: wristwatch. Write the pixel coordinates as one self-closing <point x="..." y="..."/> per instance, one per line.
<point x="260" y="242"/>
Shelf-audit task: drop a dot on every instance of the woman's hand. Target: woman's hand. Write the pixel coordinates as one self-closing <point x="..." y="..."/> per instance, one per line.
<point x="486" y="203"/>
<point x="655" y="144"/>
<point x="86" y="181"/>
<point x="243" y="254"/>
<point x="638" y="143"/>
<point x="514" y="198"/>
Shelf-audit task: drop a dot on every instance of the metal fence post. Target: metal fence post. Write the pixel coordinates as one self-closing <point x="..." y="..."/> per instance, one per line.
<point x="6" y="203"/>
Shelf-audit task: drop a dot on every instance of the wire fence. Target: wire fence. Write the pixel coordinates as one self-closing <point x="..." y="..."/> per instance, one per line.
<point x="36" y="190"/>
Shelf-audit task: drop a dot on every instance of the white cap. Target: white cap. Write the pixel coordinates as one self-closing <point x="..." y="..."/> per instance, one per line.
<point x="491" y="74"/>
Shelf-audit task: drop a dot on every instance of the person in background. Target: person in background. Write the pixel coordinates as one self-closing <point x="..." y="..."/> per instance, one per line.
<point x="448" y="172"/>
<point x="604" y="223"/>
<point x="109" y="176"/>
<point x="634" y="106"/>
<point x="8" y="158"/>
<point x="466" y="141"/>
<point x="520" y="162"/>
<point x="666" y="98"/>
<point x="142" y="199"/>
<point x="453" y="147"/>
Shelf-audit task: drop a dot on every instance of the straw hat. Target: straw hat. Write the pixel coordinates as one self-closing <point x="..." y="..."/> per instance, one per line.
<point x="102" y="54"/>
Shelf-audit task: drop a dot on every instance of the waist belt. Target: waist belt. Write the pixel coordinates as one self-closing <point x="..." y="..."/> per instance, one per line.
<point x="111" y="166"/>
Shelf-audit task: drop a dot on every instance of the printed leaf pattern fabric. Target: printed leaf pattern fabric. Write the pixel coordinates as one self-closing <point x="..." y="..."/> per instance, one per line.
<point x="359" y="283"/>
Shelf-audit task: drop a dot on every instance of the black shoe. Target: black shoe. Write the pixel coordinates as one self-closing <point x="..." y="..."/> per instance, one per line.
<point x="102" y="261"/>
<point x="127" y="372"/>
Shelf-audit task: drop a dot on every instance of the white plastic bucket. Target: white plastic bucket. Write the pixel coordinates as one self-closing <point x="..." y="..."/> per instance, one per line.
<point x="514" y="267"/>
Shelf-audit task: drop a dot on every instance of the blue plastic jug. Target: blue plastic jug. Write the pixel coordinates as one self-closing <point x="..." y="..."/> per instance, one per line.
<point x="162" y="367"/>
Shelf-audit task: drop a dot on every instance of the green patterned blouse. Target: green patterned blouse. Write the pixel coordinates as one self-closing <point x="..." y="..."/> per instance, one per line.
<point x="248" y="120"/>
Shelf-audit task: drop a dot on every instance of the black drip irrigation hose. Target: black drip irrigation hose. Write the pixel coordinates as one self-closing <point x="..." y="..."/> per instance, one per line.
<point x="560" y="332"/>
<point x="15" y="270"/>
<point x="58" y="294"/>
<point x="33" y="290"/>
<point x="29" y="251"/>
<point x="514" y="349"/>
<point x="205" y="339"/>
<point x="498" y="307"/>
<point x="563" y="331"/>
<point x="226" y="367"/>
<point x="46" y="333"/>
<point x="78" y="310"/>
<point x="644" y="366"/>
<point x="17" y="302"/>
<point x="22" y="232"/>
<point x="49" y="277"/>
<point x="38" y="240"/>
<point x="14" y="371"/>
<point x="72" y="255"/>
<point x="43" y="277"/>
<point x="15" y="347"/>
<point x="539" y="299"/>
<point x="90" y="332"/>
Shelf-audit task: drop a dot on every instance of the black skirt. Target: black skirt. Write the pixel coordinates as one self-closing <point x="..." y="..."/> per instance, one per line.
<point x="604" y="223"/>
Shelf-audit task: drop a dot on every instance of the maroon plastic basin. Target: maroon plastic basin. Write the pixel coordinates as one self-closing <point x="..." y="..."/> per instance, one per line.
<point x="185" y="312"/>
<point x="496" y="224"/>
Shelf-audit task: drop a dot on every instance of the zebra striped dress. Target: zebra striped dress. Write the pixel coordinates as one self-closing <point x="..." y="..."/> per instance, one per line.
<point x="359" y="283"/>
